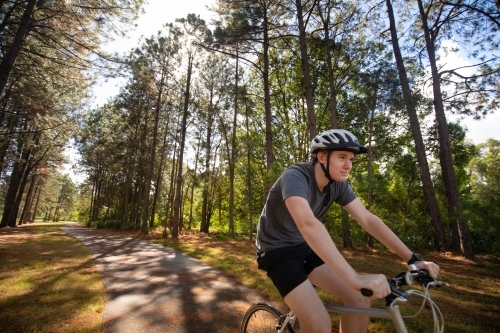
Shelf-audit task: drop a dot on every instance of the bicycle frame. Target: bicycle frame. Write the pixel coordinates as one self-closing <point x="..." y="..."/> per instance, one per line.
<point x="286" y="322"/>
<point x="391" y="312"/>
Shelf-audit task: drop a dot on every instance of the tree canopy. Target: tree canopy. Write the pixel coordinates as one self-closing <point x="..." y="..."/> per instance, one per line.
<point x="211" y="113"/>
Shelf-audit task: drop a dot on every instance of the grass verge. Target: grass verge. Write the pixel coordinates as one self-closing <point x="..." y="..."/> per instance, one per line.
<point x="470" y="305"/>
<point x="49" y="282"/>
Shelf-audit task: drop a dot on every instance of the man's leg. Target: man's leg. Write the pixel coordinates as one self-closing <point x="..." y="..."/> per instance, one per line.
<point x="324" y="278"/>
<point x="307" y="306"/>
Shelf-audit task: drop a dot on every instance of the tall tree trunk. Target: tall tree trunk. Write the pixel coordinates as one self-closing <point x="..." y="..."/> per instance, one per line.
<point x="149" y="176"/>
<point x="169" y="214"/>
<point x="39" y="189"/>
<point x="157" y="192"/>
<point x="15" y="186"/>
<point x="28" y="201"/>
<point x="370" y="152"/>
<point x="205" y="219"/>
<point x="249" y="172"/>
<point x="9" y="59"/>
<point x="460" y="238"/>
<point x="267" y="101"/>
<point x="195" y="178"/>
<point x="10" y="123"/>
<point x="311" y="116"/>
<point x="159" y="181"/>
<point x="126" y="197"/>
<point x="346" y="230"/>
<point x="428" y="187"/>
<point x="24" y="181"/>
<point x="178" y="181"/>
<point x="328" y="51"/>
<point x="92" y="203"/>
<point x="233" y="152"/>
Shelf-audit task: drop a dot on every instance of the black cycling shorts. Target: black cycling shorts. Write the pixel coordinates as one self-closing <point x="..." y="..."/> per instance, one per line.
<point x="289" y="266"/>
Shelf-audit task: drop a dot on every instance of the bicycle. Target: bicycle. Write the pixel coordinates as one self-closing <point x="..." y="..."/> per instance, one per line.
<point x="265" y="318"/>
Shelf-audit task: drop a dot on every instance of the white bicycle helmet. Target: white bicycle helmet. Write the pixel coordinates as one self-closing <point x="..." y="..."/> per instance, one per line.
<point x="337" y="139"/>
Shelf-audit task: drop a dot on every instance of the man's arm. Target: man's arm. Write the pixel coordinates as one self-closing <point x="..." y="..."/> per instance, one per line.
<point x="374" y="225"/>
<point x="317" y="237"/>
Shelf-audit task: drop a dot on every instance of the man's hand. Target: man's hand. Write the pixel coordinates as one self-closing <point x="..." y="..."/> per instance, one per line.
<point x="377" y="283"/>
<point x="431" y="267"/>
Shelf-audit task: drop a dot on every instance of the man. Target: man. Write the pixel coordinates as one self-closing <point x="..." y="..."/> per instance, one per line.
<point x="297" y="251"/>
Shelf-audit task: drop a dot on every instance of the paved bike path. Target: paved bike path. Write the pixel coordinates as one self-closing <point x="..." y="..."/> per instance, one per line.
<point x="152" y="288"/>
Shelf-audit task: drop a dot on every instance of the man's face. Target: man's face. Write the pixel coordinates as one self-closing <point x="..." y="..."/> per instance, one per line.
<point x="340" y="164"/>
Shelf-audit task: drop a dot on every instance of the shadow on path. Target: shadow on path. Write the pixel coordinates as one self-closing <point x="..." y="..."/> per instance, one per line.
<point x="152" y="288"/>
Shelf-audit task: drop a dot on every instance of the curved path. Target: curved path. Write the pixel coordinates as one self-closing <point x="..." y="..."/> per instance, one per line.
<point x="152" y="288"/>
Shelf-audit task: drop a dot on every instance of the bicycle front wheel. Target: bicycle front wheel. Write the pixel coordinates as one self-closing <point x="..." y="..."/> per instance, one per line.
<point x="263" y="318"/>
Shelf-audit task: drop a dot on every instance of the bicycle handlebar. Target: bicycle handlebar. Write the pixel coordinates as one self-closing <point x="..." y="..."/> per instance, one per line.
<point x="406" y="278"/>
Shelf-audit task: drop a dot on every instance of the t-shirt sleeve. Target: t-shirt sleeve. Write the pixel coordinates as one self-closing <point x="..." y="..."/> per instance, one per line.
<point x="343" y="193"/>
<point x="294" y="183"/>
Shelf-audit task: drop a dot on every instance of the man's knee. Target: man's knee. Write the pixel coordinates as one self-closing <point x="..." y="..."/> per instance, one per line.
<point x="358" y="301"/>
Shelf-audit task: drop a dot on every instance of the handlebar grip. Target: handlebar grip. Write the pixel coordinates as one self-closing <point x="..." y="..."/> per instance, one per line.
<point x="366" y="292"/>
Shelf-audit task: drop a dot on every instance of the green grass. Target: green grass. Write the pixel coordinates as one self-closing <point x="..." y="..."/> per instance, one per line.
<point x="49" y="282"/>
<point x="470" y="305"/>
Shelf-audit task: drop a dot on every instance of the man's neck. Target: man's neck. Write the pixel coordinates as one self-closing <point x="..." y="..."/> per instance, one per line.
<point x="321" y="180"/>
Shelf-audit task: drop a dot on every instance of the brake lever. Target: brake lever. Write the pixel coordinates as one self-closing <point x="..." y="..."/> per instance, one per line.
<point x="399" y="293"/>
<point x="396" y="293"/>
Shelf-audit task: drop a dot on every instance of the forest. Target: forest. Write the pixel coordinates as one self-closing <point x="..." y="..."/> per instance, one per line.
<point x="211" y="113"/>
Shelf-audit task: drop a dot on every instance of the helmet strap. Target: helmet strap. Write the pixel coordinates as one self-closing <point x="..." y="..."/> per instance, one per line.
<point x="327" y="169"/>
<point x="327" y="175"/>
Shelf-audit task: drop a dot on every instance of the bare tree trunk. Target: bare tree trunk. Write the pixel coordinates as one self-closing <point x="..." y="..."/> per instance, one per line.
<point x="460" y="238"/>
<point x="27" y="202"/>
<point x="159" y="181"/>
<point x="92" y="203"/>
<point x="311" y="116"/>
<point x="370" y="152"/>
<point x="249" y="173"/>
<point x="205" y="219"/>
<point x="331" y="80"/>
<point x="428" y="187"/>
<point x="15" y="186"/>
<point x="346" y="231"/>
<point x="177" y="202"/>
<point x="149" y="176"/>
<point x="24" y="181"/>
<point x="233" y="152"/>
<point x="267" y="101"/>
<point x="127" y="189"/>
<point x="9" y="60"/>
<point x="35" y="210"/>
<point x="167" y="222"/>
<point x="195" y="178"/>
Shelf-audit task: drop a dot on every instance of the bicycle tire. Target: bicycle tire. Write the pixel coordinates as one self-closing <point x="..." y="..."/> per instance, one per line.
<point x="263" y="318"/>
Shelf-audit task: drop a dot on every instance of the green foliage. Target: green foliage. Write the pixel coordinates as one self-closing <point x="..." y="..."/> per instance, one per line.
<point x="229" y="71"/>
<point x="481" y="205"/>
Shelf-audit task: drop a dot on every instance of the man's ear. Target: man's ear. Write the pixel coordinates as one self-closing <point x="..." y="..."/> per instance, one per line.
<point x="321" y="155"/>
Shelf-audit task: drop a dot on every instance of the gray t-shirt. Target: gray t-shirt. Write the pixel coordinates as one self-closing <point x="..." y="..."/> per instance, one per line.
<point x="276" y="227"/>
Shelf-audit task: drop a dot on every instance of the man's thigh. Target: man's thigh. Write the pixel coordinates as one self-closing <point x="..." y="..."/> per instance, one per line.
<point x="309" y="309"/>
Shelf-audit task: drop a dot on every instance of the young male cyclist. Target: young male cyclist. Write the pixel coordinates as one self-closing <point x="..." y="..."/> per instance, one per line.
<point x="295" y="249"/>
